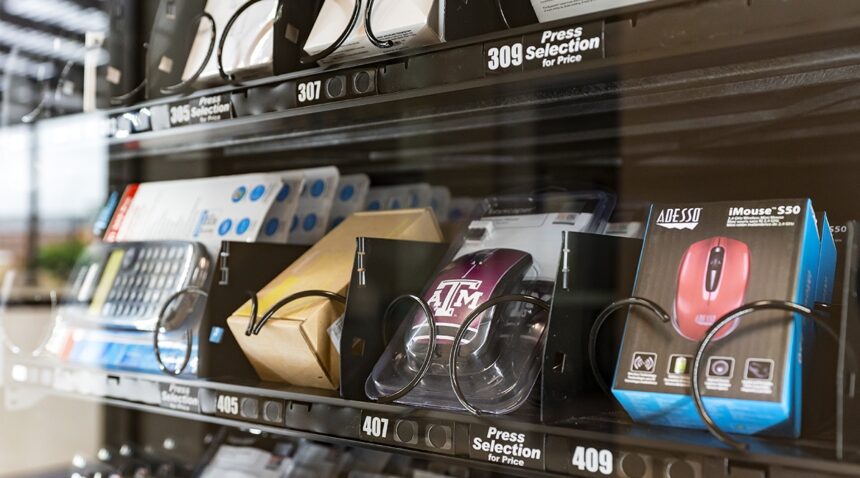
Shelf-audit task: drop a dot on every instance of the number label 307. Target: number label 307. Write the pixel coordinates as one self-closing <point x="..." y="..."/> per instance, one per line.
<point x="593" y="460"/>
<point x="309" y="91"/>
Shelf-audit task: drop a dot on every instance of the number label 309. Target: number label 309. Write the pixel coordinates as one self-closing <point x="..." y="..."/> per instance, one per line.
<point x="593" y="460"/>
<point x="504" y="57"/>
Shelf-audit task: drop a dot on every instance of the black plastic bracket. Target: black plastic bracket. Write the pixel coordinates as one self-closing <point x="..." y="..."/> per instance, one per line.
<point x="594" y="271"/>
<point x="390" y="269"/>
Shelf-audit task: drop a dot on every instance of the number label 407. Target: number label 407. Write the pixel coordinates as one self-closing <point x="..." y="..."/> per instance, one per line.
<point x="375" y="427"/>
<point x="593" y="460"/>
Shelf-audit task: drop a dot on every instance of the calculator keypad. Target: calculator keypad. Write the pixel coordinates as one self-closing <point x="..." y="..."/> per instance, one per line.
<point x="148" y="276"/>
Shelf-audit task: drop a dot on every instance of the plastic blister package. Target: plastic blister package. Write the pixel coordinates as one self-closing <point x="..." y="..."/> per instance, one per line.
<point x="310" y="223"/>
<point x="509" y="253"/>
<point x="120" y="294"/>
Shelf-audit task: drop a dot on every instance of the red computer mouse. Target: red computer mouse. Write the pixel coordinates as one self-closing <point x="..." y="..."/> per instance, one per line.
<point x="712" y="280"/>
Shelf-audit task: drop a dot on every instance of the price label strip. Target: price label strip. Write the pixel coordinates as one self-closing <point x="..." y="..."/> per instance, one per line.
<point x="178" y="397"/>
<point x="204" y="109"/>
<point x="506" y="447"/>
<point x="247" y="408"/>
<point x="337" y="86"/>
<point x="547" y="49"/>
<point x="580" y="457"/>
<point x="408" y="432"/>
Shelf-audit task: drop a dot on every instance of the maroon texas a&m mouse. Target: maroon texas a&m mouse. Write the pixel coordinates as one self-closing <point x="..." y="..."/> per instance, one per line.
<point x="460" y="288"/>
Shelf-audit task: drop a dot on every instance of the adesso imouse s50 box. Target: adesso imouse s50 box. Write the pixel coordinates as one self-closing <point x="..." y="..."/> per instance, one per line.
<point x="700" y="261"/>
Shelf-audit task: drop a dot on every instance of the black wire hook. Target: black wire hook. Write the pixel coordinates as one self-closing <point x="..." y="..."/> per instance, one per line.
<point x="189" y="335"/>
<point x="252" y="321"/>
<point x="501" y="10"/>
<point x="650" y="305"/>
<point x="227" y="27"/>
<point x="123" y="98"/>
<point x="461" y="332"/>
<point x="428" y="357"/>
<point x="286" y="300"/>
<point x="353" y="21"/>
<point x="368" y="28"/>
<point x="169" y="90"/>
<point x="733" y="315"/>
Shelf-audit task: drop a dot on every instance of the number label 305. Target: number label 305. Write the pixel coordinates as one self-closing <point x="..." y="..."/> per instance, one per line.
<point x="593" y="460"/>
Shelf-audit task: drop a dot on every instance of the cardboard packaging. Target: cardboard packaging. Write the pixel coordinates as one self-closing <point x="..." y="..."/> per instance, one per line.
<point x="700" y="261"/>
<point x="550" y="10"/>
<point x="294" y="347"/>
<point x="408" y="23"/>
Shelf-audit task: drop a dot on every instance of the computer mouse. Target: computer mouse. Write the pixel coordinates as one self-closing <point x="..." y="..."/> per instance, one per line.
<point x="460" y="288"/>
<point x="712" y="280"/>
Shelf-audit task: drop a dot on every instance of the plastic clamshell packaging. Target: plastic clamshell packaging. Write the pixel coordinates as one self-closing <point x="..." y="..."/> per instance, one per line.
<point x="512" y="246"/>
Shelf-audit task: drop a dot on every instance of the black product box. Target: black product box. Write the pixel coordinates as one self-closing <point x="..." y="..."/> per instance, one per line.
<point x="699" y="262"/>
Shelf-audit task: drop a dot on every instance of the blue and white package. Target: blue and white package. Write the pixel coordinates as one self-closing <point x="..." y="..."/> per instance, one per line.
<point x="699" y="262"/>
<point x="276" y="226"/>
<point x="311" y="220"/>
<point x="205" y="210"/>
<point x="406" y="196"/>
<point x="460" y="209"/>
<point x="351" y="197"/>
<point x="440" y="200"/>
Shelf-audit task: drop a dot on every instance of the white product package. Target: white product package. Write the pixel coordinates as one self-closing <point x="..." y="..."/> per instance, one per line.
<point x="550" y="10"/>
<point x="351" y="197"/>
<point x="207" y="210"/>
<point x="405" y="196"/>
<point x="276" y="228"/>
<point x="408" y="23"/>
<point x="312" y="217"/>
<point x="248" y="47"/>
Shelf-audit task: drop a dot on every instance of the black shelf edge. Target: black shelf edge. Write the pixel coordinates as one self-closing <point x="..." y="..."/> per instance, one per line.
<point x="324" y="416"/>
<point x="760" y="49"/>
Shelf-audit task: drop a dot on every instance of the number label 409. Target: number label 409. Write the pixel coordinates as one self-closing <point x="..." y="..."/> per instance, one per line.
<point x="375" y="427"/>
<point x="593" y="460"/>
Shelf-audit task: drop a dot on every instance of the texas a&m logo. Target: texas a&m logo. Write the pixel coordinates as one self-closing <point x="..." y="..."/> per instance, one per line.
<point x="453" y="294"/>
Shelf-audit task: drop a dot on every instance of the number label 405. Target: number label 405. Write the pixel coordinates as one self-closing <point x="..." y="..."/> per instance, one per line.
<point x="375" y="427"/>
<point x="593" y="460"/>
<point x="227" y="405"/>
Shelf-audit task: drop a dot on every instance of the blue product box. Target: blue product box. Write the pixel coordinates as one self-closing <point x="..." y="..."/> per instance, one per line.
<point x="698" y="262"/>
